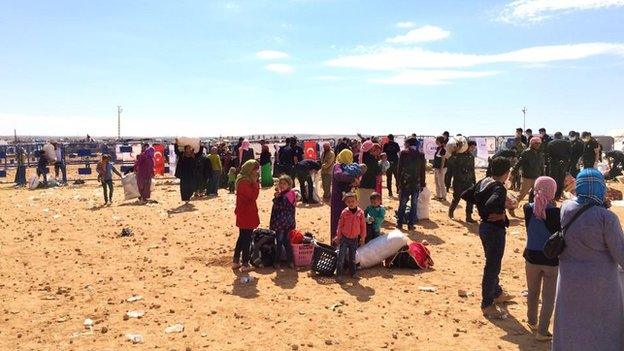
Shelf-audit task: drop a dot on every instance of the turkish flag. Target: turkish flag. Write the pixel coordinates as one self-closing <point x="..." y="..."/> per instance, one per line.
<point x="159" y="159"/>
<point x="309" y="150"/>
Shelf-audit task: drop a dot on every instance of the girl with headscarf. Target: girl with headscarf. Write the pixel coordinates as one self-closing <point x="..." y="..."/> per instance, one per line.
<point x="144" y="168"/>
<point x="245" y="152"/>
<point x="186" y="171"/>
<point x="266" y="176"/>
<point x="368" y="156"/>
<point x="541" y="219"/>
<point x="246" y="211"/>
<point x="343" y="180"/>
<point x="589" y="314"/>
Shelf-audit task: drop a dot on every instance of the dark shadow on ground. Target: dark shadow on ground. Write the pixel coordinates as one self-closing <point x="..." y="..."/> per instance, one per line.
<point x="518" y="334"/>
<point x="182" y="208"/>
<point x="244" y="290"/>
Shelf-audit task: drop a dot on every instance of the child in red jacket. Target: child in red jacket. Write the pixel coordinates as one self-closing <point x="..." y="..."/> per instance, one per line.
<point x="351" y="232"/>
<point x="247" y="219"/>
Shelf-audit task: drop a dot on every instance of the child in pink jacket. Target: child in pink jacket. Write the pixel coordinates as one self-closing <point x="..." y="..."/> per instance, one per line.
<point x="350" y="234"/>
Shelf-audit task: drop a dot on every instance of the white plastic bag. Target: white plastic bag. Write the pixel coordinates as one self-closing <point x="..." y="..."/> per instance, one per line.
<point x="131" y="189"/>
<point x="380" y="248"/>
<point x="33" y="182"/>
<point x="193" y="142"/>
<point x="422" y="211"/>
<point x="315" y="183"/>
<point x="50" y="153"/>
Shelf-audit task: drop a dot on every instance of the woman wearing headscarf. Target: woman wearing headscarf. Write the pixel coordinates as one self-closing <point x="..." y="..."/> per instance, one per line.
<point x="542" y="219"/>
<point x="588" y="311"/>
<point x="186" y="169"/>
<point x="368" y="156"/>
<point x="245" y="152"/>
<point x="144" y="168"/>
<point x="247" y="219"/>
<point x="343" y="180"/>
<point x="266" y="176"/>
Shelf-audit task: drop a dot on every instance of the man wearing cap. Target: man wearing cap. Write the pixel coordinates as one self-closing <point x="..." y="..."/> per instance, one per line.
<point x="391" y="149"/>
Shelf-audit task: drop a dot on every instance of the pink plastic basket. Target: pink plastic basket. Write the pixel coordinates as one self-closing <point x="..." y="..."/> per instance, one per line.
<point x="302" y="254"/>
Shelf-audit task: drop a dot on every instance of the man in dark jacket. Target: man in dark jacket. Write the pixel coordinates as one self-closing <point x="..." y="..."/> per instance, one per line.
<point x="285" y="155"/>
<point x="391" y="149"/>
<point x="558" y="152"/>
<point x="303" y="171"/>
<point x="489" y="194"/>
<point x="462" y="175"/>
<point x="591" y="150"/>
<point x="531" y="165"/>
<point x="411" y="180"/>
<point x="576" y="151"/>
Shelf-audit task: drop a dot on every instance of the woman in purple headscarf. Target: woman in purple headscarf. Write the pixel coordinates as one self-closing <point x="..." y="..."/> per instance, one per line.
<point x="144" y="168"/>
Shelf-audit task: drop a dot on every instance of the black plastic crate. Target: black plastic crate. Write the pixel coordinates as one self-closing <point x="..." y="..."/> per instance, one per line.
<point x="324" y="260"/>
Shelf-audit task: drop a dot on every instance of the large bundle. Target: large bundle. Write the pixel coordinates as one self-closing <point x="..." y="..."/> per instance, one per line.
<point x="380" y="248"/>
<point x="131" y="189"/>
<point x="456" y="144"/>
<point x="33" y="182"/>
<point x="422" y="211"/>
<point x="193" y="142"/>
<point x="50" y="153"/>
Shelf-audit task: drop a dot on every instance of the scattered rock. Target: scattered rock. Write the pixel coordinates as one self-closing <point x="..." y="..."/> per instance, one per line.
<point x="135" y="314"/>
<point x="134" y="298"/>
<point x="176" y="328"/>
<point x="135" y="338"/>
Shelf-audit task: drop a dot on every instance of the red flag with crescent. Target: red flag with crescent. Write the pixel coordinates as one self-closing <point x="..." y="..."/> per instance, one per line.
<point x="309" y="150"/>
<point x="159" y="159"/>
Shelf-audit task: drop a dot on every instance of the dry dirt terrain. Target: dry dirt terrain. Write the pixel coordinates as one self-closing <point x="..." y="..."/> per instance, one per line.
<point x="62" y="261"/>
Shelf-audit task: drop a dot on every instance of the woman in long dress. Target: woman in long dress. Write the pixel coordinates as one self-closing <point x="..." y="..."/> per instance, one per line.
<point x="342" y="182"/>
<point x="589" y="313"/>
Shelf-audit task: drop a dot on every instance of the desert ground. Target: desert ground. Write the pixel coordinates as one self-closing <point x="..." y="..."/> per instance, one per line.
<point x="62" y="261"/>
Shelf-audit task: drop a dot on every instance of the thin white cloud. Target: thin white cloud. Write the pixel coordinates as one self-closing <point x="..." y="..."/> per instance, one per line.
<point x="328" y="78"/>
<point x="280" y="68"/>
<point x="271" y="55"/>
<point x="420" y="35"/>
<point x="430" y="77"/>
<point x="531" y="11"/>
<point x="398" y="59"/>
<point x="405" y="24"/>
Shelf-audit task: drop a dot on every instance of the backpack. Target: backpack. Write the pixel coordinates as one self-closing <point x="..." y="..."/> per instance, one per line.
<point x="412" y="256"/>
<point x="263" y="248"/>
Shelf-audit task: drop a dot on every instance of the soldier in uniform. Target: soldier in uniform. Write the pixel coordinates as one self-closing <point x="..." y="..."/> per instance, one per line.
<point x="461" y="171"/>
<point x="531" y="165"/>
<point x="558" y="156"/>
<point x="576" y="151"/>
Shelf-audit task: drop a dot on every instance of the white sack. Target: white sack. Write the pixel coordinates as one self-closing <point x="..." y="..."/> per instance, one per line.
<point x="380" y="248"/>
<point x="131" y="189"/>
<point x="422" y="211"/>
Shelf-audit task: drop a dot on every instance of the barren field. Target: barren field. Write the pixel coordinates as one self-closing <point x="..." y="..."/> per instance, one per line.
<point x="62" y="261"/>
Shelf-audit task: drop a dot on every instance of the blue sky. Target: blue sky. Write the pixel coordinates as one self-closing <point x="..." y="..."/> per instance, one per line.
<point x="310" y="66"/>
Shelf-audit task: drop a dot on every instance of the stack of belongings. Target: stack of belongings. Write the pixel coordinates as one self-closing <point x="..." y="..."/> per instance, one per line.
<point x="396" y="246"/>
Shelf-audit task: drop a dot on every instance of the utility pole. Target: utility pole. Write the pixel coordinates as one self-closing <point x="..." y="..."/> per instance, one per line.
<point x="524" y="111"/>
<point x="119" y="111"/>
<point x="15" y="135"/>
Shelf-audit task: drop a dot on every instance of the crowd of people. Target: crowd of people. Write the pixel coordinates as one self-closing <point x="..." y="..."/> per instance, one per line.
<point x="352" y="171"/>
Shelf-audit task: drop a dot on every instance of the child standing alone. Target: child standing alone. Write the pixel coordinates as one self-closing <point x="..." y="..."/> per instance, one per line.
<point x="375" y="214"/>
<point x="350" y="234"/>
<point x="105" y="170"/>
<point x="283" y="217"/>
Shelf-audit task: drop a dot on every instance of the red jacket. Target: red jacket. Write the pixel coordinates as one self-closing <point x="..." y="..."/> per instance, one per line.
<point x="351" y="225"/>
<point x="246" y="208"/>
